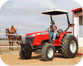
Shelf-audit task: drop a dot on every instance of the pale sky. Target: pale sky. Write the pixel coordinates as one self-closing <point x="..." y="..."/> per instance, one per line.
<point x="2" y="2"/>
<point x="26" y="15"/>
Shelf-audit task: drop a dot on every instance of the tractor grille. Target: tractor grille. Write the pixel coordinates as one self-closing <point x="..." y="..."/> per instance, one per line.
<point x="29" y="39"/>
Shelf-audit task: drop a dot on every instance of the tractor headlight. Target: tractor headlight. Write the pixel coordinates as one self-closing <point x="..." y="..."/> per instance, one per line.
<point x="32" y="35"/>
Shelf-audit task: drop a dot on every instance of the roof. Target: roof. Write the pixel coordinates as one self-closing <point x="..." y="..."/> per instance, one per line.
<point x="78" y="9"/>
<point x="55" y="12"/>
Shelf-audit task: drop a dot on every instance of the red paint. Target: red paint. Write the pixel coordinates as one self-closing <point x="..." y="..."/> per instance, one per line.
<point x="77" y="9"/>
<point x="73" y="23"/>
<point x="62" y="35"/>
<point x="58" y="41"/>
<point x="41" y="37"/>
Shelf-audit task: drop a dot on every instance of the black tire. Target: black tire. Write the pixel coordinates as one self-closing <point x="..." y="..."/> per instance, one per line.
<point x="45" y="52"/>
<point x="67" y="42"/>
<point x="25" y="53"/>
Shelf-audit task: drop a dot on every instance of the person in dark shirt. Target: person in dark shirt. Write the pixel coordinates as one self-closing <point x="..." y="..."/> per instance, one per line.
<point x="54" y="29"/>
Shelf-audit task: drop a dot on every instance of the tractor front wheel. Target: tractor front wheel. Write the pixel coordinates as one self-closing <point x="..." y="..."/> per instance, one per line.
<point x="25" y="52"/>
<point x="48" y="52"/>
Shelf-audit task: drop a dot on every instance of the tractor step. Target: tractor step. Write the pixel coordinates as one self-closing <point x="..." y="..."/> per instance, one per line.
<point x="38" y="50"/>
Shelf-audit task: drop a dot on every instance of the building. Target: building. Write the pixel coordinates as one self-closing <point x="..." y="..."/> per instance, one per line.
<point x="77" y="19"/>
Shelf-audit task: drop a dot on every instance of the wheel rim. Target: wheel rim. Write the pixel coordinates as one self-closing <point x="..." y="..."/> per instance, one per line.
<point x="50" y="53"/>
<point x="73" y="46"/>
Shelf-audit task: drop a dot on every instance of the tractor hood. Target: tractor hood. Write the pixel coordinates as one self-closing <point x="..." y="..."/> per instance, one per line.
<point x="36" y="33"/>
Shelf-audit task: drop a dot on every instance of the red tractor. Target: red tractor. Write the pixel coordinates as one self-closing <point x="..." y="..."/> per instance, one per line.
<point x="65" y="43"/>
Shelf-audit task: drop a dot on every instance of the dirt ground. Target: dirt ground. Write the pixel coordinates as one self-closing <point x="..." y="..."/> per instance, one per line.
<point x="12" y="58"/>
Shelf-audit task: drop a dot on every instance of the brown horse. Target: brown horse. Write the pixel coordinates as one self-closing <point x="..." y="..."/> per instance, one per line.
<point x="12" y="39"/>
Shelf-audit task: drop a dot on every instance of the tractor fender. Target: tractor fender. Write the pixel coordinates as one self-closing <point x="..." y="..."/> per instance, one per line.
<point x="44" y="41"/>
<point x="62" y="36"/>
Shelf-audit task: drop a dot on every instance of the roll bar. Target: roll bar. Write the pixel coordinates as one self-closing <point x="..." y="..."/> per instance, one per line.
<point x="67" y="21"/>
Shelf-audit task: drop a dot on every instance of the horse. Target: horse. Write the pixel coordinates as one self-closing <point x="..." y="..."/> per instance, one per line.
<point x="12" y="38"/>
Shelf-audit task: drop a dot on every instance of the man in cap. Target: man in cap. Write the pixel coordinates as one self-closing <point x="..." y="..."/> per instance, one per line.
<point x="53" y="29"/>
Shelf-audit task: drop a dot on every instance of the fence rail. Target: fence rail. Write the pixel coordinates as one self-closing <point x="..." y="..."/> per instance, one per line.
<point x="8" y="46"/>
<point x="11" y="34"/>
<point x="6" y="39"/>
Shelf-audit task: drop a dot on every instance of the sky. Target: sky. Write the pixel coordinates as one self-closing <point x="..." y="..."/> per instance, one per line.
<point x="26" y="15"/>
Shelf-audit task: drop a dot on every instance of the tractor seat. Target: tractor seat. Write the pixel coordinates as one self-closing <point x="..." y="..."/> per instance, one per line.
<point x="60" y="30"/>
<point x="59" y="33"/>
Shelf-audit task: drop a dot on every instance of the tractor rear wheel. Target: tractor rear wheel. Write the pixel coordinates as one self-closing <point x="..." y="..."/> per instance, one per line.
<point x="69" y="46"/>
<point x="48" y="52"/>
